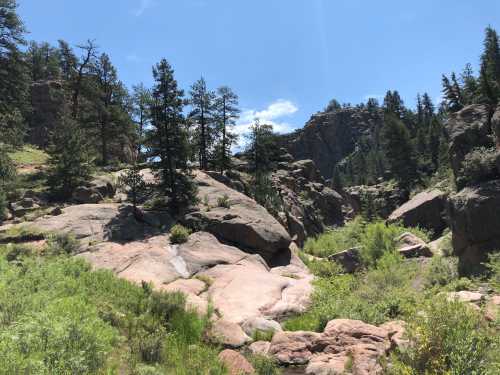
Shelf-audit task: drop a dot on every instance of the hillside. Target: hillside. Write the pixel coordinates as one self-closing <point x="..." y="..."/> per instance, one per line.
<point x="134" y="241"/>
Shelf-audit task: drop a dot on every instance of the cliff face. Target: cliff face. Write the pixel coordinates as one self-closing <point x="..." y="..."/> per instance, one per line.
<point x="328" y="137"/>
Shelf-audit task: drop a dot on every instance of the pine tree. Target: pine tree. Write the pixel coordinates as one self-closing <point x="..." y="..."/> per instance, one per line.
<point x="393" y="103"/>
<point x="135" y="184"/>
<point x="399" y="151"/>
<point x="489" y="80"/>
<point x="202" y="116"/>
<point x="169" y="138"/>
<point x="141" y="102"/>
<point x="469" y="85"/>
<point x="452" y="93"/>
<point x="226" y="114"/>
<point x="69" y="162"/>
<point x="13" y="75"/>
<point x="113" y="122"/>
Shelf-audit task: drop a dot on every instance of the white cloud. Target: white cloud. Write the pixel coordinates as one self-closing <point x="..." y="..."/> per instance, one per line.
<point x="143" y="6"/>
<point x="270" y="116"/>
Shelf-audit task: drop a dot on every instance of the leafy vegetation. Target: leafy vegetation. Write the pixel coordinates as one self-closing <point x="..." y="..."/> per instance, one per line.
<point x="372" y="238"/>
<point x="58" y="316"/>
<point x="179" y="234"/>
<point x="449" y="337"/>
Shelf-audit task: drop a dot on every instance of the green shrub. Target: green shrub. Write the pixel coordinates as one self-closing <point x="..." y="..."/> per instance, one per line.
<point x="16" y="252"/>
<point x="66" y="337"/>
<point x="265" y="365"/>
<point x="179" y="234"/>
<point x="322" y="268"/>
<point x="261" y="335"/>
<point x="57" y="316"/>
<point x="382" y="293"/>
<point x="62" y="243"/>
<point x="374" y="239"/>
<point x="448" y="337"/>
<point x="441" y="271"/>
<point x="224" y="201"/>
<point x="493" y="266"/>
<point x="3" y="205"/>
<point x="478" y="165"/>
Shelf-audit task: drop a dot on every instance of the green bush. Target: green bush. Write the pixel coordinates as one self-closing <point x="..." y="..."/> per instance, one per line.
<point x="57" y="316"/>
<point x="448" y="337"/>
<point x="3" y="205"/>
<point x="478" y="166"/>
<point x="493" y="267"/>
<point x="179" y="234"/>
<point x="62" y="243"/>
<point x="441" y="271"/>
<point x="265" y="365"/>
<point x="382" y="293"/>
<point x="373" y="238"/>
<point x="320" y="267"/>
<point x="224" y="201"/>
<point x="15" y="252"/>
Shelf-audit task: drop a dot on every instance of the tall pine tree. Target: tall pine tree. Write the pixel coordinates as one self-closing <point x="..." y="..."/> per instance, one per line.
<point x="169" y="138"/>
<point x="226" y="114"/>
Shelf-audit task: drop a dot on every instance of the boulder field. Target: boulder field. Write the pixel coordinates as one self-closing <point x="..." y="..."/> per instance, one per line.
<point x="225" y="262"/>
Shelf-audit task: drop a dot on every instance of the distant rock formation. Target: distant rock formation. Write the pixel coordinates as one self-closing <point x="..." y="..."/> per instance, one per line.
<point x="328" y="137"/>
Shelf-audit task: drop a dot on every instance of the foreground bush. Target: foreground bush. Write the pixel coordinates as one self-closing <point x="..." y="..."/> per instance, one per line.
<point x="57" y="316"/>
<point x="449" y="337"/>
<point x="378" y="295"/>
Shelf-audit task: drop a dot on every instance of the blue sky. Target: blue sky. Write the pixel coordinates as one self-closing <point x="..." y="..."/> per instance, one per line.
<point x="285" y="58"/>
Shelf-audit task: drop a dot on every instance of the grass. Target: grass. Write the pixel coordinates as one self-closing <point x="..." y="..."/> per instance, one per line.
<point x="57" y="316"/>
<point x="374" y="238"/>
<point x="29" y="156"/>
<point x="22" y="233"/>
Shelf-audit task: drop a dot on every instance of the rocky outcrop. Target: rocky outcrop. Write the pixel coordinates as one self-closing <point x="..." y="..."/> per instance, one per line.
<point x="242" y="221"/>
<point x="309" y="205"/>
<point x="99" y="188"/>
<point x="425" y="210"/>
<point x="410" y="246"/>
<point x="382" y="198"/>
<point x="328" y="137"/>
<point x="240" y="286"/>
<point x="93" y="223"/>
<point x="343" y="343"/>
<point x="349" y="259"/>
<point x="468" y="129"/>
<point x="47" y="99"/>
<point x="474" y="219"/>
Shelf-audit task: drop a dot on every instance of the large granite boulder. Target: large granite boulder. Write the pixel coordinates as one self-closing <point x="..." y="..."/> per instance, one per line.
<point x="240" y="220"/>
<point x="240" y="286"/>
<point x="425" y="210"/>
<point x="93" y="223"/>
<point x="99" y="188"/>
<point x="342" y="342"/>
<point x="474" y="219"/>
<point x="468" y="129"/>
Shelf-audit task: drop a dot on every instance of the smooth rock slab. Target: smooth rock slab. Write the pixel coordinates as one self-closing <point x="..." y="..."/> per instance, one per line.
<point x="245" y="223"/>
